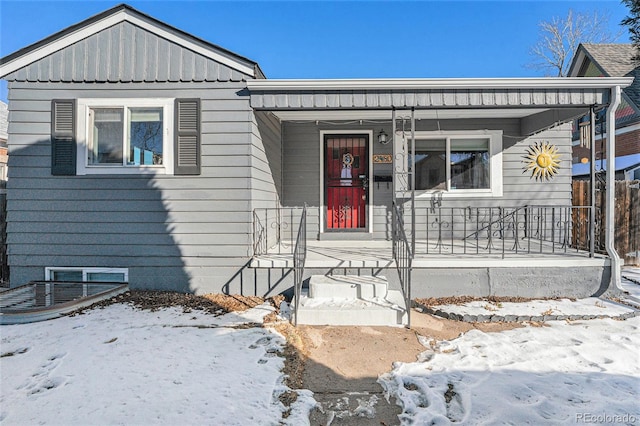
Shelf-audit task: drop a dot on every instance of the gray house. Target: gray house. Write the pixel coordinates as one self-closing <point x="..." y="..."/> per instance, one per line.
<point x="141" y="153"/>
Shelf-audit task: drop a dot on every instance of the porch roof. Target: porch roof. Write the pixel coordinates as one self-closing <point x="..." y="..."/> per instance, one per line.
<point x="430" y="94"/>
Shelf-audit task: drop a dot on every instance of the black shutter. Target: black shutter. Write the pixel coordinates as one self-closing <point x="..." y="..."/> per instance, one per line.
<point x="186" y="151"/>
<point x="63" y="137"/>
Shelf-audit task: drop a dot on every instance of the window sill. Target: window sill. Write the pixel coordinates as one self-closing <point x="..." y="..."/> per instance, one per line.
<point x="480" y="193"/>
<point x="120" y="170"/>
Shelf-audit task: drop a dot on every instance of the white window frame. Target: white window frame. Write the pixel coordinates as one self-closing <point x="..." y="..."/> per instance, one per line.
<point x="629" y="174"/>
<point x="84" y="136"/>
<point x="85" y="270"/>
<point x="495" y="163"/>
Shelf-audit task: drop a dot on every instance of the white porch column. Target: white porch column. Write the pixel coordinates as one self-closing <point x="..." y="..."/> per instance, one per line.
<point x="610" y="189"/>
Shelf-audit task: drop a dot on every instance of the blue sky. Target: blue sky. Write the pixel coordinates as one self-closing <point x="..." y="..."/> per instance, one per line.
<point x="334" y="39"/>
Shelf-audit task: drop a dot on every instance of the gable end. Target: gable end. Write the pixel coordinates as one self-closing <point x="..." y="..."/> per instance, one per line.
<point x="125" y="53"/>
<point x="130" y="32"/>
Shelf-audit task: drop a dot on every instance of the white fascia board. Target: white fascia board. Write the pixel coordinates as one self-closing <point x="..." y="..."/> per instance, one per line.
<point x="442" y="83"/>
<point x="109" y="21"/>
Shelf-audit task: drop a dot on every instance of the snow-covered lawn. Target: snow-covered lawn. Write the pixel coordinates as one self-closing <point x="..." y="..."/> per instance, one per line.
<point x="563" y="373"/>
<point x="122" y="365"/>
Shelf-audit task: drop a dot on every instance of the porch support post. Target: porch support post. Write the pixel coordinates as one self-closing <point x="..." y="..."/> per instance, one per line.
<point x="614" y="284"/>
<point x="394" y="175"/>
<point x="592" y="174"/>
<point x="413" y="180"/>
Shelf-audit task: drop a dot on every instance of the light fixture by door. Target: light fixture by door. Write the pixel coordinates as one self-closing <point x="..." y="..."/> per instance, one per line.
<point x="383" y="138"/>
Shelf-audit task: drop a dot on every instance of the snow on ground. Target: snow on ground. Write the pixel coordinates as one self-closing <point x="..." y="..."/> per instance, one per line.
<point x="587" y="306"/>
<point x="631" y="282"/>
<point x="122" y="365"/>
<point x="563" y="373"/>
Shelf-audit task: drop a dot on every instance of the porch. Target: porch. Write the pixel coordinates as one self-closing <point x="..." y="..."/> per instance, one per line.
<point x="350" y="254"/>
<point x="444" y="187"/>
<point x="441" y="237"/>
<point x="529" y="251"/>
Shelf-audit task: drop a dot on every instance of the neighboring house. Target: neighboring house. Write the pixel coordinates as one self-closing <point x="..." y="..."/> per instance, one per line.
<point x="610" y="60"/>
<point x="171" y="163"/>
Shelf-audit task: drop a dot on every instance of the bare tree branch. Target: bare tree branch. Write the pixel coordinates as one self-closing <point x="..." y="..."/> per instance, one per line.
<point x="559" y="38"/>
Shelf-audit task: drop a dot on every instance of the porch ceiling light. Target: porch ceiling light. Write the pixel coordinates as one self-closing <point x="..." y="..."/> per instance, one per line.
<point x="383" y="138"/>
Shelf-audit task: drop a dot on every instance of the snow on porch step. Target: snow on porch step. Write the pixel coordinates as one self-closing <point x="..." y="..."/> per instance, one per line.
<point x="347" y="287"/>
<point x="351" y="300"/>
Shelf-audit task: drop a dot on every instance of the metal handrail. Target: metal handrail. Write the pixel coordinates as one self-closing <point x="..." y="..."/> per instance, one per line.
<point x="299" y="259"/>
<point x="403" y="256"/>
<point x="502" y="215"/>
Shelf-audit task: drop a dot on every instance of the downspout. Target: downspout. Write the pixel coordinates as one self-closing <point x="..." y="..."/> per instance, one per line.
<point x="614" y="284"/>
<point x="592" y="179"/>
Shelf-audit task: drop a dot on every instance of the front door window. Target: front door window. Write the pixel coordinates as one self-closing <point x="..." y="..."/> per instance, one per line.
<point x="346" y="181"/>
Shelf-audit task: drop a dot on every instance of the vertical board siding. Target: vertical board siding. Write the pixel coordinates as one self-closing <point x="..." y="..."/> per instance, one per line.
<point x="301" y="168"/>
<point x="125" y="53"/>
<point x="186" y="233"/>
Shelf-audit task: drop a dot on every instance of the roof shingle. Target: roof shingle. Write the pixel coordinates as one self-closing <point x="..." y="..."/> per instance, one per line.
<point x="614" y="59"/>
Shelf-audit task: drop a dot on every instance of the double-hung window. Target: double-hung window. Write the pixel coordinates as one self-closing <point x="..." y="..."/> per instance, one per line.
<point x="457" y="164"/>
<point x="126" y="136"/>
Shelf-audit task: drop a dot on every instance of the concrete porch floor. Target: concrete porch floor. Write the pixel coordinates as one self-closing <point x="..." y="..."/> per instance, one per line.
<point x="429" y="254"/>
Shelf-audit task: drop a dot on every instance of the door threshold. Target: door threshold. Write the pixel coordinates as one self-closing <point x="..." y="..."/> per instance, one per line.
<point x="345" y="236"/>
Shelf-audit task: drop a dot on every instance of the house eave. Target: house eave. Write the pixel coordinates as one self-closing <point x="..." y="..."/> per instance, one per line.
<point x="438" y="84"/>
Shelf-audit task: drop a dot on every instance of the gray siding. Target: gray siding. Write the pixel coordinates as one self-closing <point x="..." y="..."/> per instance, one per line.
<point x="125" y="53"/>
<point x="266" y="179"/>
<point x="187" y="233"/>
<point x="301" y="169"/>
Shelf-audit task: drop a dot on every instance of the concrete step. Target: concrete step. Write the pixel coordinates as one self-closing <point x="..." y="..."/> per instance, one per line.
<point x="351" y="300"/>
<point x="347" y="287"/>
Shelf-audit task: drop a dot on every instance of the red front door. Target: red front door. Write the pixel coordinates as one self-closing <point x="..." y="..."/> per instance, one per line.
<point x="346" y="181"/>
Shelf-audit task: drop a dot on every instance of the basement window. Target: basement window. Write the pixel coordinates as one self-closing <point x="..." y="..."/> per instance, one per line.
<point x="116" y="275"/>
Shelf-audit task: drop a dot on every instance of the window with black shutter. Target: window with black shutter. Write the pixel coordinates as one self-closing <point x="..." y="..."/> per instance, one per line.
<point x="187" y="137"/>
<point x="63" y="137"/>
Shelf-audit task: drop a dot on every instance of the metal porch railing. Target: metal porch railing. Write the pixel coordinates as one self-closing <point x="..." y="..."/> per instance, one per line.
<point x="403" y="257"/>
<point x="299" y="258"/>
<point x="273" y="229"/>
<point x="503" y="231"/>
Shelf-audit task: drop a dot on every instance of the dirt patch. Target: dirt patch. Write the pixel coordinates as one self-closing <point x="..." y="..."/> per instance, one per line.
<point x="234" y="302"/>
<point x="344" y="357"/>
<point x="296" y="352"/>
<point x="214" y="304"/>
<point x="339" y="356"/>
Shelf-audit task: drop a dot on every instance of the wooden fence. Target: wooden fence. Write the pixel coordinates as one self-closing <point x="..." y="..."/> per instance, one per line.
<point x="627" y="217"/>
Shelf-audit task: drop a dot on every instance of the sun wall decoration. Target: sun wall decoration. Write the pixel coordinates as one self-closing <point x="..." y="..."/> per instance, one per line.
<point x="542" y="160"/>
